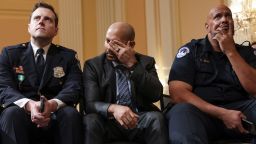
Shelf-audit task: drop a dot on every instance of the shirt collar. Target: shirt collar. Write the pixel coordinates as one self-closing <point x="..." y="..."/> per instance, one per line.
<point x="115" y="64"/>
<point x="119" y="66"/>
<point x="207" y="44"/>
<point x="35" y="48"/>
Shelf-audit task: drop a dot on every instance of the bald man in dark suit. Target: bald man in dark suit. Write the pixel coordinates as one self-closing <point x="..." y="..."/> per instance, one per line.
<point x="120" y="87"/>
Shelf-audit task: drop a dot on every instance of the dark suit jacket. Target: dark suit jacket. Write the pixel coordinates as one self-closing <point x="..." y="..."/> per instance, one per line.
<point x="100" y="84"/>
<point x="17" y="62"/>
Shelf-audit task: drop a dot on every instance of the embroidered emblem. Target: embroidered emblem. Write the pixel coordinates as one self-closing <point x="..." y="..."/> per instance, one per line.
<point x="182" y="52"/>
<point x="20" y="73"/>
<point x="21" y="77"/>
<point x="58" y="72"/>
<point x="18" y="70"/>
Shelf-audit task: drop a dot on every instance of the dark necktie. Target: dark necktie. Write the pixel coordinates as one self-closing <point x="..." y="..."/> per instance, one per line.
<point x="40" y="63"/>
<point x="124" y="95"/>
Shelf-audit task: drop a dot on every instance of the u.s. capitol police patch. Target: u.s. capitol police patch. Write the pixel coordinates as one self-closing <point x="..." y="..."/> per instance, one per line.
<point x="182" y="52"/>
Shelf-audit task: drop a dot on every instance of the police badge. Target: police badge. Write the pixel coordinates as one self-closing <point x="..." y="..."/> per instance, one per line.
<point x="58" y="72"/>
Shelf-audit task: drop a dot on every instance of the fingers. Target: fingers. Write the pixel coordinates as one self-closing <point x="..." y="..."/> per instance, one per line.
<point x="231" y="29"/>
<point x="123" y="53"/>
<point x="118" y="43"/>
<point x="44" y="123"/>
<point x="125" y="117"/>
<point x="39" y="118"/>
<point x="113" y="49"/>
<point x="117" y="46"/>
<point x="123" y="124"/>
<point x="242" y="116"/>
<point x="129" y="120"/>
<point x="35" y="114"/>
<point x="242" y="129"/>
<point x="218" y="36"/>
<point x="238" y="125"/>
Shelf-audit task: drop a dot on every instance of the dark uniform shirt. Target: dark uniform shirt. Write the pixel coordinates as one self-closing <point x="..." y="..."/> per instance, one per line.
<point x="209" y="72"/>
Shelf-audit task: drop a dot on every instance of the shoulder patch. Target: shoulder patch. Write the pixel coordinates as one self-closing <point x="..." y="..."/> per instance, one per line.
<point x="182" y="52"/>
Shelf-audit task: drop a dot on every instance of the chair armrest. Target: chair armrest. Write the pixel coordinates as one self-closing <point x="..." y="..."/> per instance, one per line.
<point x="166" y="103"/>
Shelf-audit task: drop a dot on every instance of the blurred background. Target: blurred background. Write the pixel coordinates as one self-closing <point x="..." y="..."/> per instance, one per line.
<point x="162" y="26"/>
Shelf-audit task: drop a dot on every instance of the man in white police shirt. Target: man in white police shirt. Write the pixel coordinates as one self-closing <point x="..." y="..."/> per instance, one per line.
<point x="40" y="69"/>
<point x="212" y="81"/>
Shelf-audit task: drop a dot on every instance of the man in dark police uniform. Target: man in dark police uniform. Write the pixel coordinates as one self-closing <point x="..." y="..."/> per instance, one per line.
<point x="40" y="70"/>
<point x="212" y="81"/>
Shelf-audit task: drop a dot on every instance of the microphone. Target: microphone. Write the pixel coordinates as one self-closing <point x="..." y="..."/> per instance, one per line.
<point x="42" y="101"/>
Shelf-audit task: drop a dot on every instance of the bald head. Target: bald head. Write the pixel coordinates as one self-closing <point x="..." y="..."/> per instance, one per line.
<point x="218" y="8"/>
<point x="218" y="20"/>
<point x="124" y="30"/>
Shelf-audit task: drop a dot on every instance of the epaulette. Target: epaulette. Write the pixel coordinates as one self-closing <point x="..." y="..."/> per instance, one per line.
<point x="13" y="47"/>
<point x="24" y="44"/>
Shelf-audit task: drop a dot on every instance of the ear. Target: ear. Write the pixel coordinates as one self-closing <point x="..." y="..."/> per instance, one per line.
<point x="132" y="44"/>
<point x="56" y="31"/>
<point x="206" y="26"/>
<point x="28" y="28"/>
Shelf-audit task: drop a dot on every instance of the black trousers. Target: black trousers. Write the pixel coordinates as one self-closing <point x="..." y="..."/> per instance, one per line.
<point x="16" y="127"/>
<point x="188" y="125"/>
<point x="151" y="129"/>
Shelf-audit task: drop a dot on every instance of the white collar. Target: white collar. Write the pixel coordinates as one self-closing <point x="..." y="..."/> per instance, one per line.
<point x="35" y="48"/>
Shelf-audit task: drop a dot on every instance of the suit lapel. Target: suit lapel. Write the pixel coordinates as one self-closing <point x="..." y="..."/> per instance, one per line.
<point x="51" y="59"/>
<point x="28" y="63"/>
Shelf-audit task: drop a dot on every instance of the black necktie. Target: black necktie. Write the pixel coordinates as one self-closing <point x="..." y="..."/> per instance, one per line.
<point x="40" y="63"/>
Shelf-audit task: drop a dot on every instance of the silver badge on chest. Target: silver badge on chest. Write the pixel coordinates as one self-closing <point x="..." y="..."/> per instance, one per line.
<point x="58" y="72"/>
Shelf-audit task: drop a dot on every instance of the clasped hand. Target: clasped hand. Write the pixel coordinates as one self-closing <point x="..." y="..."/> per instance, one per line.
<point x="41" y="119"/>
